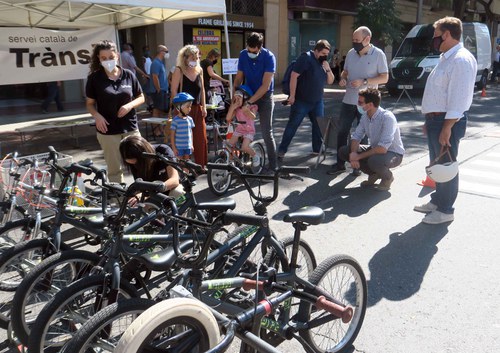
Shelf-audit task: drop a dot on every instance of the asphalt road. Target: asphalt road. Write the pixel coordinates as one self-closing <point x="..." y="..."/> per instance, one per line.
<point x="431" y="288"/>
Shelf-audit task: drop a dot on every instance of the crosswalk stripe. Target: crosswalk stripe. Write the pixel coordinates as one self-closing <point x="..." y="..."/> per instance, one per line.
<point x="487" y="163"/>
<point x="480" y="173"/>
<point x="477" y="188"/>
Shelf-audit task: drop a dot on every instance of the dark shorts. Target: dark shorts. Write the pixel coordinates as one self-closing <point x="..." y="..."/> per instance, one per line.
<point x="160" y="101"/>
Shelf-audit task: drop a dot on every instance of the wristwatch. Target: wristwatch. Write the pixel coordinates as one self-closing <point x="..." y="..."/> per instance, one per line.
<point x="365" y="81"/>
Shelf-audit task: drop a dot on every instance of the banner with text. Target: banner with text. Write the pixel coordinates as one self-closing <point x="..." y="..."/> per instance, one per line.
<point x="207" y="39"/>
<point x="40" y="55"/>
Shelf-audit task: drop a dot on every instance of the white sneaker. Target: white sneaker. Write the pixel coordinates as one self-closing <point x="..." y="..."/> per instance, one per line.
<point x="437" y="217"/>
<point x="255" y="161"/>
<point x="425" y="208"/>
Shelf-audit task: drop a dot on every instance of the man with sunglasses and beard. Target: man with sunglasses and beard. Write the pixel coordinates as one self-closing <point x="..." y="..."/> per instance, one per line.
<point x="256" y="68"/>
<point x="365" y="67"/>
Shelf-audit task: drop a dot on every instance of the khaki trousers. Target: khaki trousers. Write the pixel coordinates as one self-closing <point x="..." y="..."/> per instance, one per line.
<point x="110" y="145"/>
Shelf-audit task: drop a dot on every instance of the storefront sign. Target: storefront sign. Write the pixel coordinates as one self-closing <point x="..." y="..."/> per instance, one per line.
<point x="231" y="24"/>
<point x="39" y="55"/>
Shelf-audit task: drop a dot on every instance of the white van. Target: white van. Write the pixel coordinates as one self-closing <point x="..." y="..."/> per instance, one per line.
<point x="415" y="58"/>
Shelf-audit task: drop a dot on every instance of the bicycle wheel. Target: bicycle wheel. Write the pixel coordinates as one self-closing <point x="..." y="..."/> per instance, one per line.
<point x="43" y="282"/>
<point x="180" y="324"/>
<point x="306" y="261"/>
<point x="15" y="263"/>
<point x="68" y="310"/>
<point x="343" y="278"/>
<point x="15" y="232"/>
<point x="219" y="180"/>
<point x="103" y="331"/>
<point x="261" y="153"/>
<point x="18" y="260"/>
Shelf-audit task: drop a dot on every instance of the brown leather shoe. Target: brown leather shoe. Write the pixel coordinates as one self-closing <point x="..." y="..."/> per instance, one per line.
<point x="372" y="179"/>
<point x="385" y="185"/>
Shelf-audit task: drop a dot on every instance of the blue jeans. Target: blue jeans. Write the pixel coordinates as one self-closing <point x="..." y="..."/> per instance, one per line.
<point x="446" y="193"/>
<point x="266" y="107"/>
<point x="348" y="112"/>
<point x="297" y="113"/>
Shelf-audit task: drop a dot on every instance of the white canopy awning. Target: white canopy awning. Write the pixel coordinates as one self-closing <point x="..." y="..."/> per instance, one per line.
<point x="79" y="14"/>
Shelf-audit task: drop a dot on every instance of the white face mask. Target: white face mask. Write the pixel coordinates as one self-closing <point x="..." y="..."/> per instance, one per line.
<point x="109" y="65"/>
<point x="253" y="55"/>
<point x="167" y="55"/>
<point x="192" y="64"/>
<point x="360" y="110"/>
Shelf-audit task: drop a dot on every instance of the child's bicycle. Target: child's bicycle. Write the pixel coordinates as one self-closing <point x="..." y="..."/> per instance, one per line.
<point x="219" y="180"/>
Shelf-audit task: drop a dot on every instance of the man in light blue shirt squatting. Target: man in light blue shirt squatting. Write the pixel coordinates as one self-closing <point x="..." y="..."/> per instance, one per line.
<point x="385" y="150"/>
<point x="447" y="98"/>
<point x="256" y="68"/>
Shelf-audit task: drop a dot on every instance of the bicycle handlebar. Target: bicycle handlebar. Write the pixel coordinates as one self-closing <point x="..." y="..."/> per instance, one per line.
<point x="282" y="171"/>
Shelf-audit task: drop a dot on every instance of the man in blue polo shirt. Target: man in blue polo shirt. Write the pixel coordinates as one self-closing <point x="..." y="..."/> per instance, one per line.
<point x="308" y="78"/>
<point x="256" y="68"/>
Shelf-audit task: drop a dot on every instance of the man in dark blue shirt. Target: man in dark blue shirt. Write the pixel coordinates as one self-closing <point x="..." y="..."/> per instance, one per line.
<point x="308" y="78"/>
<point x="256" y="68"/>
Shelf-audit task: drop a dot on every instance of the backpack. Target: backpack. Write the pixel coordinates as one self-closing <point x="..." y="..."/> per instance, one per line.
<point x="285" y="84"/>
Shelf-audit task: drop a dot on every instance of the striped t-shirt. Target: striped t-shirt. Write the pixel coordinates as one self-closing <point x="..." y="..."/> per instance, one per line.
<point x="183" y="133"/>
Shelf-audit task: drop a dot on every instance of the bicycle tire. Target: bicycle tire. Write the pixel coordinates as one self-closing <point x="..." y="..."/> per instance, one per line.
<point x="102" y="332"/>
<point x="259" y="151"/>
<point x="13" y="269"/>
<point x="34" y="291"/>
<point x="15" y="232"/>
<point x="199" y="326"/>
<point x="305" y="255"/>
<point x="76" y="301"/>
<point x="306" y="260"/>
<point x="343" y="277"/>
<point x="28" y="254"/>
<point x="219" y="180"/>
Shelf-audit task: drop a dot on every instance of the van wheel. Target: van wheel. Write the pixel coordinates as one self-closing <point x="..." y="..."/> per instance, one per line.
<point x="483" y="81"/>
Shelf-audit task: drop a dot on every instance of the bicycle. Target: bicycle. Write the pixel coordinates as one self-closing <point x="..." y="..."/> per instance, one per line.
<point x="105" y="282"/>
<point x="339" y="308"/>
<point x="235" y="254"/>
<point x="219" y="180"/>
<point x="52" y="274"/>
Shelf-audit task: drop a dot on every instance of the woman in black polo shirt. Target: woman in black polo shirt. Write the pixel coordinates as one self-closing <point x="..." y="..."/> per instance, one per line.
<point x="113" y="93"/>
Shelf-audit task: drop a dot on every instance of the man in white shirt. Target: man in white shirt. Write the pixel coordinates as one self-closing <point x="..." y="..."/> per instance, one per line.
<point x="447" y="98"/>
<point x="128" y="61"/>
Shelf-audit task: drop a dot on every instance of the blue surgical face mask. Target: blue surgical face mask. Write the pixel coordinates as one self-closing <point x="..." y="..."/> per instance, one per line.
<point x="360" y="110"/>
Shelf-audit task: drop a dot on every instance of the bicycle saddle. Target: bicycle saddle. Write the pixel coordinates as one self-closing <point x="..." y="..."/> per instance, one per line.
<point x="164" y="259"/>
<point x="309" y="214"/>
